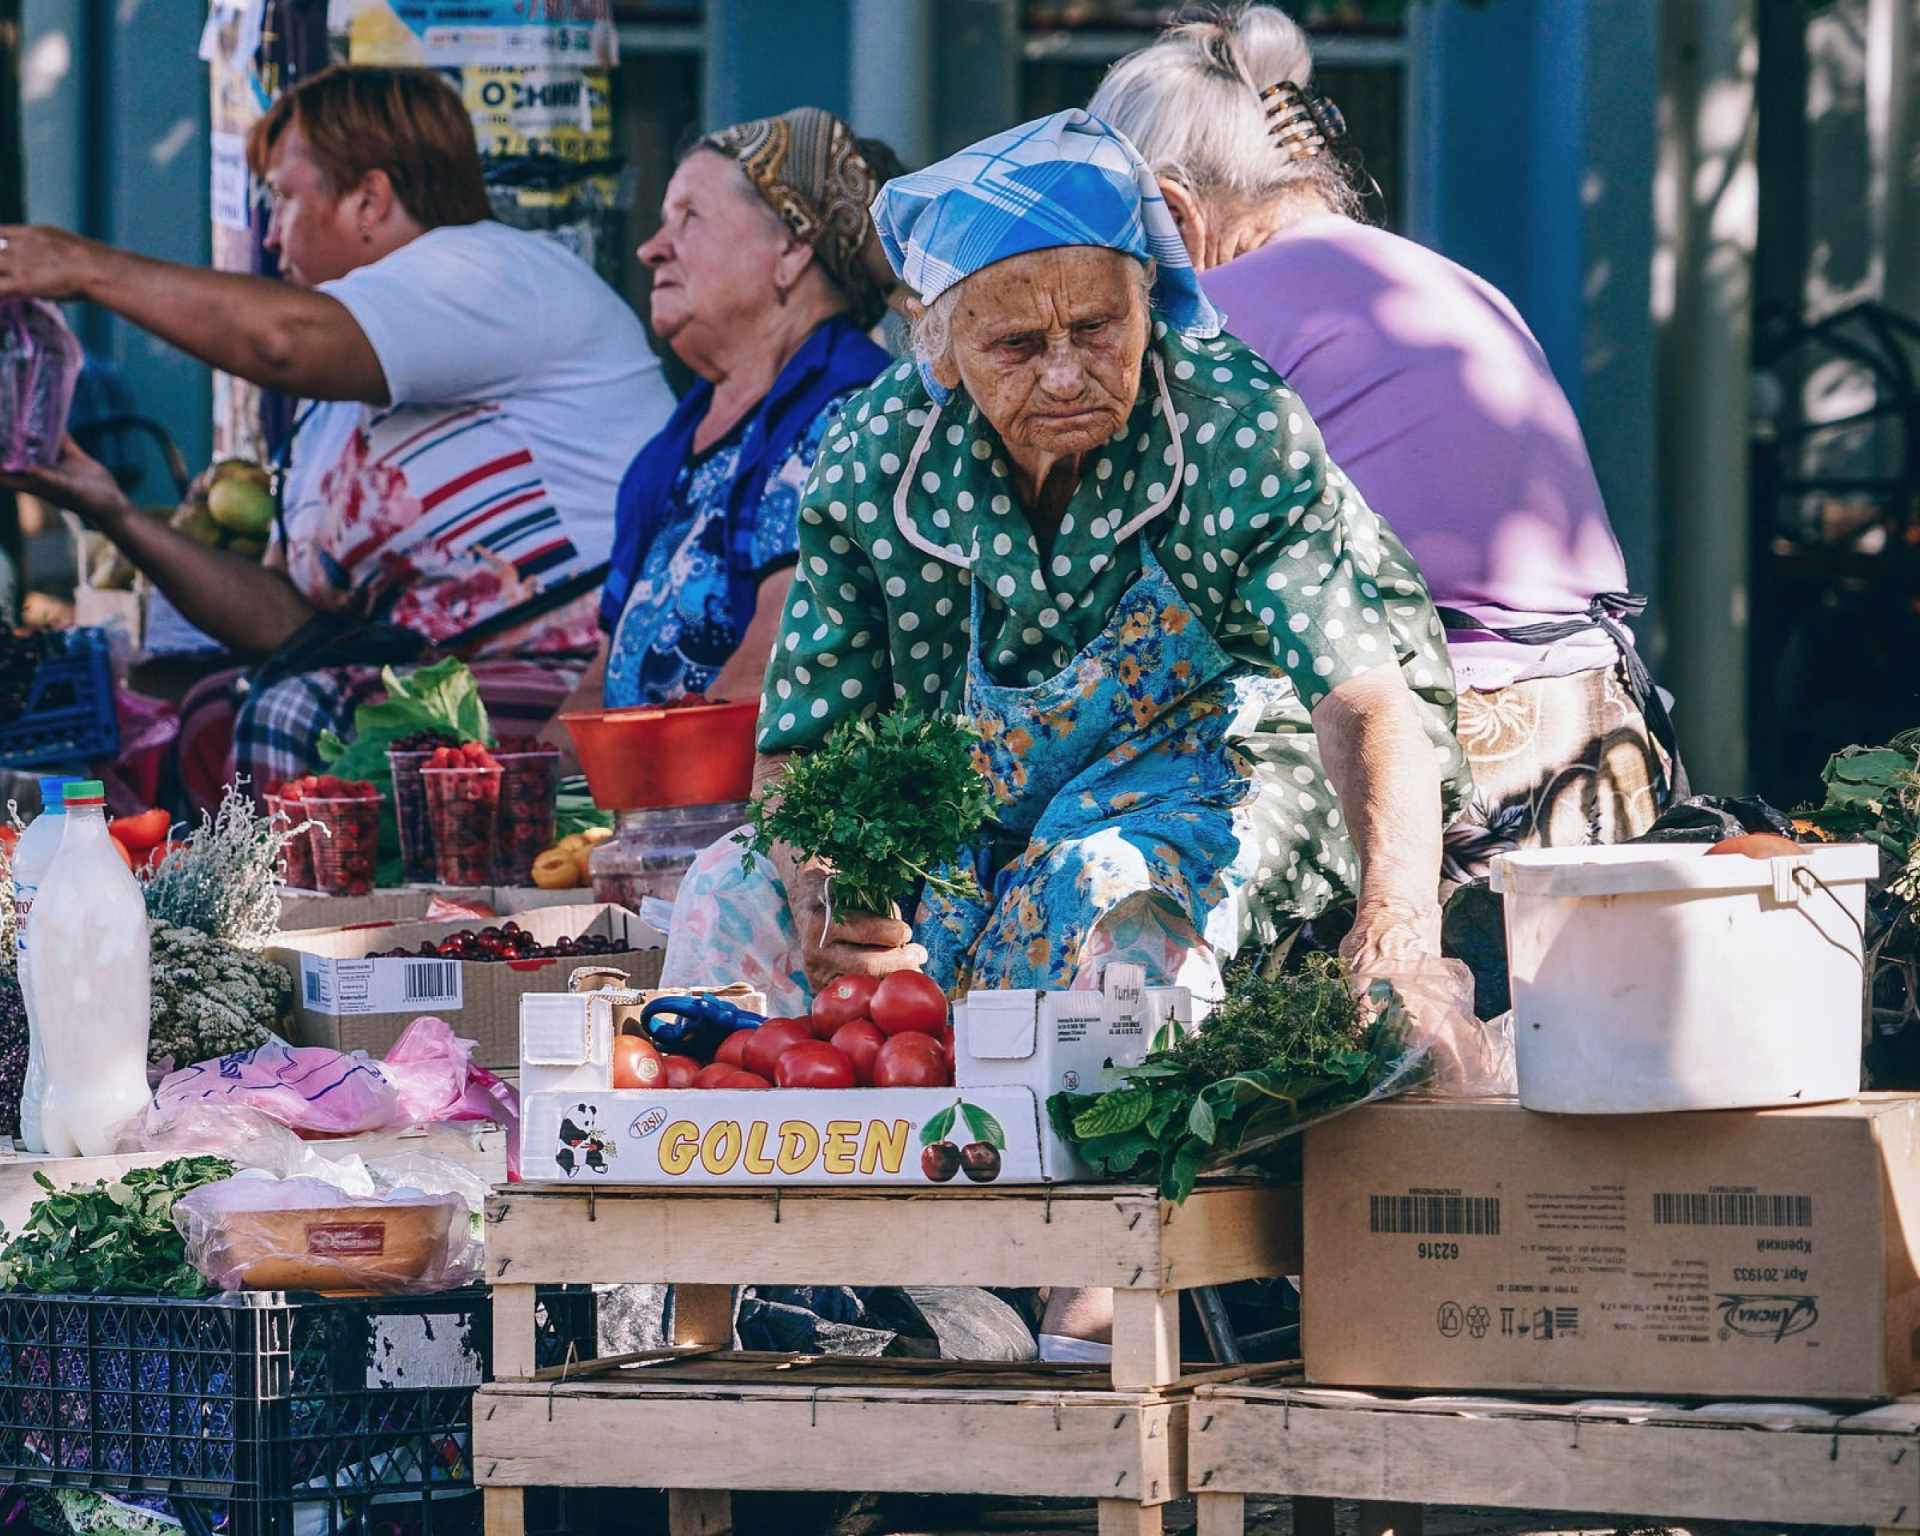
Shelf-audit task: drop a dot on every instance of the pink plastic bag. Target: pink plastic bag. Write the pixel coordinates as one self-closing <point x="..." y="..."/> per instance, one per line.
<point x="40" y="363"/>
<point x="433" y="1071"/>
<point x="309" y="1088"/>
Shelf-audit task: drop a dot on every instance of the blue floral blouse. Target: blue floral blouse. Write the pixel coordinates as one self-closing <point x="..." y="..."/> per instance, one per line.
<point x="677" y="630"/>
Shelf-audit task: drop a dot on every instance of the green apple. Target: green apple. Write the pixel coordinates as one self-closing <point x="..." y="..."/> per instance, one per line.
<point x="239" y="499"/>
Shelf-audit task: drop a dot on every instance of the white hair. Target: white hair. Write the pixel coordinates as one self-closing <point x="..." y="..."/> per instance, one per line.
<point x="932" y="324"/>
<point x="1190" y="101"/>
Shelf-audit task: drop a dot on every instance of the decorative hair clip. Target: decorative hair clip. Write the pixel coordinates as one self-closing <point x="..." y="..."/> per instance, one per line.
<point x="1301" y="120"/>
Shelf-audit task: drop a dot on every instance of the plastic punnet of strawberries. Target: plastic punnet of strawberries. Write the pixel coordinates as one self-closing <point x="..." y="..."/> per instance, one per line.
<point x="463" y="804"/>
<point x="346" y="829"/>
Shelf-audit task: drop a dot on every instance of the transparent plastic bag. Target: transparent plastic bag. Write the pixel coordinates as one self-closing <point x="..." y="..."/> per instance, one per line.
<point x="1464" y="1057"/>
<point x="255" y="1232"/>
<point x="40" y="361"/>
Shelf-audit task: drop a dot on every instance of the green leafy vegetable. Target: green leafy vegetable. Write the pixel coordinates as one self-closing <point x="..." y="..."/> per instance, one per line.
<point x="442" y="697"/>
<point x="574" y="810"/>
<point x="884" y="802"/>
<point x="112" y="1239"/>
<point x="1873" y="795"/>
<point x="1278" y="1051"/>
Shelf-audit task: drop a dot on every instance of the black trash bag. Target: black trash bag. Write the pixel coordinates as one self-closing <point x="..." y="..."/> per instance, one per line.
<point x="811" y="1320"/>
<point x="1709" y="818"/>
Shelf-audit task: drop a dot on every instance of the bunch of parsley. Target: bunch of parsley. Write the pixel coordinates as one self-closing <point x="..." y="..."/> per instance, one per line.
<point x="884" y="802"/>
<point x="111" y="1239"/>
<point x="1278" y="1052"/>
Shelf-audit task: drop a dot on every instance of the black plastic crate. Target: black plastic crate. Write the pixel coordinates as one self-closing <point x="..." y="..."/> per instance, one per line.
<point x="241" y="1407"/>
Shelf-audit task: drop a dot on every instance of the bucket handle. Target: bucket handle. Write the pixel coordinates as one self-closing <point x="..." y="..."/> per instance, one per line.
<point x="1800" y="881"/>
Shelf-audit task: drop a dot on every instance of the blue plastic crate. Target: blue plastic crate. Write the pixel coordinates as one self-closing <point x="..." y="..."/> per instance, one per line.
<point x="69" y="715"/>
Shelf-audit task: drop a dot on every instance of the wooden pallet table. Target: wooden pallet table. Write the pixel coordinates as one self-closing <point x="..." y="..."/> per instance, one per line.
<point x="1745" y="1462"/>
<point x="700" y="1419"/>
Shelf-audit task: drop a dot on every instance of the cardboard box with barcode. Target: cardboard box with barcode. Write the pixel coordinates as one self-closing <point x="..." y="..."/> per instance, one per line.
<point x="1742" y="1253"/>
<point x="347" y="1001"/>
<point x="1012" y="1050"/>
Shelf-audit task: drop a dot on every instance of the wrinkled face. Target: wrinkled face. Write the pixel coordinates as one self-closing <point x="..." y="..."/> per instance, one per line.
<point x="315" y="233"/>
<point x="714" y="259"/>
<point x="1049" y="346"/>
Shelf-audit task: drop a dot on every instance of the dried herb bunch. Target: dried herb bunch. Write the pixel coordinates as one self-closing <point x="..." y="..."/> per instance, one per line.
<point x="225" y="882"/>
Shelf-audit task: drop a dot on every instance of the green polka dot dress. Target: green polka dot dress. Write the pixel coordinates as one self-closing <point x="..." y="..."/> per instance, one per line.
<point x="1264" y="539"/>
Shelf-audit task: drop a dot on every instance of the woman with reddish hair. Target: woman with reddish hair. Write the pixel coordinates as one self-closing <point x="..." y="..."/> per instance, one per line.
<point x="471" y="395"/>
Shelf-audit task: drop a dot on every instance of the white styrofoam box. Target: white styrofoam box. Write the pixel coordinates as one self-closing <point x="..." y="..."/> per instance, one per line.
<point x="1055" y="1041"/>
<point x="794" y="1136"/>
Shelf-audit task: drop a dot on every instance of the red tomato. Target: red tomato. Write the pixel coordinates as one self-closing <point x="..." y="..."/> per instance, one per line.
<point x="728" y="1055"/>
<point x="739" y="1079"/>
<point x="909" y="1003"/>
<point x="843" y="1002"/>
<point x="680" y="1070"/>
<point x="769" y="1042"/>
<point x="121" y="849"/>
<point x="636" y="1064"/>
<point x="714" y="1076"/>
<point x="139" y="833"/>
<point x="912" y="1061"/>
<point x="813" y="1064"/>
<point x="860" y="1042"/>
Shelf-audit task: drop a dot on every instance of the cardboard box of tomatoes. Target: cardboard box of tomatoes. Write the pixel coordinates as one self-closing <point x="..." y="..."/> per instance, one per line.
<point x="879" y="1085"/>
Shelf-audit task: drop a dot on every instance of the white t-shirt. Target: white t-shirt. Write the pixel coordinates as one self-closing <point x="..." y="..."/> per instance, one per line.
<point x="521" y="387"/>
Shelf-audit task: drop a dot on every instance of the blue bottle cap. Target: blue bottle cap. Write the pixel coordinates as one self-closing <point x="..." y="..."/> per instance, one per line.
<point x="52" y="793"/>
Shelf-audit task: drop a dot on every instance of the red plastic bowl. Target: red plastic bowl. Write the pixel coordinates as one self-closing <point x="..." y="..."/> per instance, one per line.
<point x="651" y="759"/>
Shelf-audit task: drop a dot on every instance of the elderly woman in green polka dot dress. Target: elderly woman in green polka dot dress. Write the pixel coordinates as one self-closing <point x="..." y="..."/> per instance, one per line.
<point x="1210" y="686"/>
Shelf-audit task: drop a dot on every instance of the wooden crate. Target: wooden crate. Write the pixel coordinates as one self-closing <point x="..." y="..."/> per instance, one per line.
<point x="708" y="1419"/>
<point x="1745" y="1462"/>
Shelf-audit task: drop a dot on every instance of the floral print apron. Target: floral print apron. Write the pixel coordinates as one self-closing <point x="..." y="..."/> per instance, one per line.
<point x="1120" y="775"/>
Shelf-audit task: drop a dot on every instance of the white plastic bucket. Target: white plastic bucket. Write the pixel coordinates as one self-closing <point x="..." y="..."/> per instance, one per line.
<point x="1658" y="978"/>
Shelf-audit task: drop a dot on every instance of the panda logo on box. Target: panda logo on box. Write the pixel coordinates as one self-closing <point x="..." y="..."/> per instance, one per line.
<point x="581" y="1141"/>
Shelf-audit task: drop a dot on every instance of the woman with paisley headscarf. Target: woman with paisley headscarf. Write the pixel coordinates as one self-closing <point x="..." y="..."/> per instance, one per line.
<point x="767" y="275"/>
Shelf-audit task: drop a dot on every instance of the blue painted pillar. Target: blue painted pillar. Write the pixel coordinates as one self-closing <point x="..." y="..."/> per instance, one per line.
<point x="768" y="56"/>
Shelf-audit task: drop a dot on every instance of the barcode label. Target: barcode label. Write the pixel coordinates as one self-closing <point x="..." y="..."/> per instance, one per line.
<point x="344" y="988"/>
<point x="1434" y="1215"/>
<point x="432" y="981"/>
<point x="1727" y="1209"/>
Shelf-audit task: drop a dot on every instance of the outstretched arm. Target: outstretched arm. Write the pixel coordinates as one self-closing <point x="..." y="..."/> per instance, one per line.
<point x="283" y="337"/>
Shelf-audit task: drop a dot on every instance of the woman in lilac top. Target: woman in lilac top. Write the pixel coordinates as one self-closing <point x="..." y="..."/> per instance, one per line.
<point x="1435" y="399"/>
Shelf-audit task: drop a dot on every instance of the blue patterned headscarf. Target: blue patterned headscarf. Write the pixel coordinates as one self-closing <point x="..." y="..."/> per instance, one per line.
<point x="1067" y="179"/>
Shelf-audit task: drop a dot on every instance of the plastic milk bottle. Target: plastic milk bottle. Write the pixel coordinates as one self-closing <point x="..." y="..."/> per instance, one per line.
<point x="91" y="973"/>
<point x="31" y="857"/>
